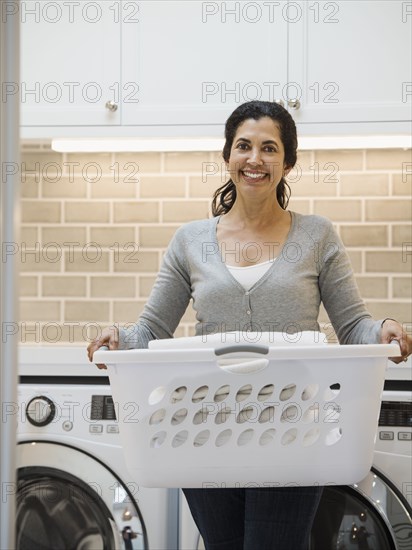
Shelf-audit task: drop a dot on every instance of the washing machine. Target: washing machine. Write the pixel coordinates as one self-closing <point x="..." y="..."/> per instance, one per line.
<point x="73" y="488"/>
<point x="375" y="514"/>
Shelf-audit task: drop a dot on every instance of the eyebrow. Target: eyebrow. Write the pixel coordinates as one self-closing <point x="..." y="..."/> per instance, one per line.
<point x="266" y="142"/>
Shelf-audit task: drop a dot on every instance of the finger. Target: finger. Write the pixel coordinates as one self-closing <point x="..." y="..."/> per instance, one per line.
<point x="397" y="339"/>
<point x="101" y="366"/>
<point x="396" y="360"/>
<point x="90" y="351"/>
<point x="404" y="348"/>
<point x="95" y="348"/>
<point x="91" y="348"/>
<point x="114" y="339"/>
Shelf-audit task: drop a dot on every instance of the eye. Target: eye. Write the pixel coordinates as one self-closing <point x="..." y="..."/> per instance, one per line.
<point x="270" y="149"/>
<point x="242" y="145"/>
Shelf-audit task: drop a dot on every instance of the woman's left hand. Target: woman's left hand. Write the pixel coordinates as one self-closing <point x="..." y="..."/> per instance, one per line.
<point x="392" y="330"/>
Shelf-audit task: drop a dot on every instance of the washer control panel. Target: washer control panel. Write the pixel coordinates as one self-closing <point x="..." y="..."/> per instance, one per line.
<point x="102" y="408"/>
<point x="78" y="411"/>
<point x="396" y="413"/>
<point x="395" y="424"/>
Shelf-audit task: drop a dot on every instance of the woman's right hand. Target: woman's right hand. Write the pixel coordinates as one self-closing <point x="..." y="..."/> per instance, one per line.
<point x="109" y="337"/>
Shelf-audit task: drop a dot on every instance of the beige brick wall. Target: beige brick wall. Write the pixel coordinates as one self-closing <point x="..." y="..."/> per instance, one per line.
<point x="95" y="226"/>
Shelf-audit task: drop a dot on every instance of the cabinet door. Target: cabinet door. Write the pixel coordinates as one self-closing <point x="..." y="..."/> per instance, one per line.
<point x="351" y="61"/>
<point x="70" y="68"/>
<point x="194" y="62"/>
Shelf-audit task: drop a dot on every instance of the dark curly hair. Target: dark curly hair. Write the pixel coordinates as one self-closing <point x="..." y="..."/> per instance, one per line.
<point x="225" y="196"/>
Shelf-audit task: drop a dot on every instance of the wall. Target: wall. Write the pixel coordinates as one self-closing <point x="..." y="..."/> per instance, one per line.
<point x="117" y="212"/>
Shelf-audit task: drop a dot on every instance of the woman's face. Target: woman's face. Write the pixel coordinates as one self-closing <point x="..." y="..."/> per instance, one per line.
<point x="256" y="161"/>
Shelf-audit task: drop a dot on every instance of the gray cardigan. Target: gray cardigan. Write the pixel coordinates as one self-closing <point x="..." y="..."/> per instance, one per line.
<point x="312" y="267"/>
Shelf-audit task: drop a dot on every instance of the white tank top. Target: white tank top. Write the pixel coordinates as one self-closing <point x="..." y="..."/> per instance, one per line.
<point x="247" y="276"/>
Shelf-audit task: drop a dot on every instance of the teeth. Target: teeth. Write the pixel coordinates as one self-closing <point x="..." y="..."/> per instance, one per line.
<point x="254" y="174"/>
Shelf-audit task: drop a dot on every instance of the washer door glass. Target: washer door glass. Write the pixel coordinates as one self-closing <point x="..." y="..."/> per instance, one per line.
<point x="57" y="511"/>
<point x="371" y="515"/>
<point x="344" y="520"/>
<point x="69" y="500"/>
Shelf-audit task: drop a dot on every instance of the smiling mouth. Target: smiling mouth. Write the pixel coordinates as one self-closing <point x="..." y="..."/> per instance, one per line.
<point x="253" y="176"/>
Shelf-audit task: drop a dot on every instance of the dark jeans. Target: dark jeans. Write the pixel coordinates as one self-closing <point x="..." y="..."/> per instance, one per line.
<point x="254" y="518"/>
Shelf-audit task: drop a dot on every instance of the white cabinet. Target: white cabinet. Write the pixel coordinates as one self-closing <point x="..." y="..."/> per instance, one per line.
<point x="351" y="62"/>
<point x="70" y="63"/>
<point x="179" y="68"/>
<point x="196" y="61"/>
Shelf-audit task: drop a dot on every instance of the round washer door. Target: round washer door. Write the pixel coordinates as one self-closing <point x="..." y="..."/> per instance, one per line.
<point x="371" y="515"/>
<point x="68" y="500"/>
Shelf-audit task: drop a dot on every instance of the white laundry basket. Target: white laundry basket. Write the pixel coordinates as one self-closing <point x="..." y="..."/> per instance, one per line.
<point x="299" y="415"/>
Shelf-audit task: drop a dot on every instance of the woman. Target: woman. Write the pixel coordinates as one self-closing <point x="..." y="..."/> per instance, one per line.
<point x="255" y="266"/>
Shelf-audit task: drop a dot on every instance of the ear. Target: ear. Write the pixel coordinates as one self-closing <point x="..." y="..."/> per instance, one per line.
<point x="286" y="170"/>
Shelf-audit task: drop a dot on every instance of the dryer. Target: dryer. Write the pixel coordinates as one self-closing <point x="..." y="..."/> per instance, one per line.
<point x="376" y="513"/>
<point x="73" y="488"/>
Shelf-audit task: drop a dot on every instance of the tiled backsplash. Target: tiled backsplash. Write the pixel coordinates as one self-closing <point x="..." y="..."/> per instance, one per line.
<point x="95" y="226"/>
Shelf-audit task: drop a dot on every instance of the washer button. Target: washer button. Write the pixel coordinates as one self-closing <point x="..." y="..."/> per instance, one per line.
<point x="248" y="312"/>
<point x="386" y="435"/>
<point x="112" y="429"/>
<point x="405" y="436"/>
<point x="67" y="425"/>
<point x="96" y="428"/>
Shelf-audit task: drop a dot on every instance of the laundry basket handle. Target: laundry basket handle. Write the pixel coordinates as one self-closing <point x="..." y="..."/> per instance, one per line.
<point x="263" y="350"/>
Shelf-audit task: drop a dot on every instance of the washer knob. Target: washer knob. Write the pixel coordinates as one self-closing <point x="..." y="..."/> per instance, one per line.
<point x="40" y="411"/>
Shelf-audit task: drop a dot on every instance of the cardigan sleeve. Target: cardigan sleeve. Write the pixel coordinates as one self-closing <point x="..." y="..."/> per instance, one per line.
<point x="350" y="319"/>
<point x="167" y="302"/>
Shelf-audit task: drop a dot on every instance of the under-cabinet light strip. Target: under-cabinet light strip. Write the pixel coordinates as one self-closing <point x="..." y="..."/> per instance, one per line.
<point x="71" y="145"/>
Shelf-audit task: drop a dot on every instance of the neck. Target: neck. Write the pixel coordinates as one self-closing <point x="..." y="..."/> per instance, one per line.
<point x="256" y="214"/>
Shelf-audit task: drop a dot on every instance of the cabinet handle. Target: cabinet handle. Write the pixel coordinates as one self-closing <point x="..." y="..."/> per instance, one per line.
<point x="294" y="103"/>
<point x="112" y="106"/>
<point x="280" y="102"/>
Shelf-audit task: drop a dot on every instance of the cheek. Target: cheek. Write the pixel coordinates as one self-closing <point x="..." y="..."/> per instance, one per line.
<point x="275" y="170"/>
<point x="233" y="165"/>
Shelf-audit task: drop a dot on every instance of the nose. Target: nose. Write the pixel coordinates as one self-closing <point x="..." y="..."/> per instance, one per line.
<point x="255" y="156"/>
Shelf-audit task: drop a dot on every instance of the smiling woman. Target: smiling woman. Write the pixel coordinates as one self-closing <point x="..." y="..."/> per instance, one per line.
<point x="257" y="153"/>
<point x="277" y="130"/>
<point x="311" y="267"/>
<point x="257" y="167"/>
